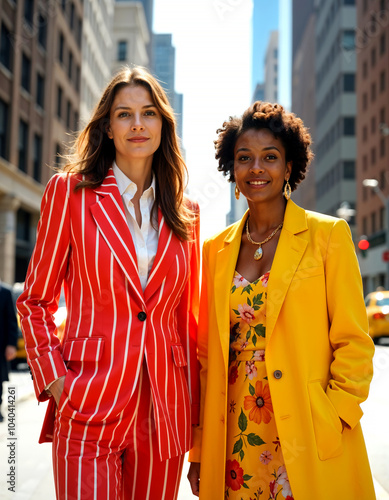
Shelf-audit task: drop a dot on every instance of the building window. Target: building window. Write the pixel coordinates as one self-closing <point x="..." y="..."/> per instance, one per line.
<point x="72" y="16"/>
<point x="373" y="57"/>
<point x="26" y="72"/>
<point x="349" y="169"/>
<point x="364" y="101"/>
<point x="373" y="125"/>
<point x="68" y="113"/>
<point x="372" y="158"/>
<point x="122" y="50"/>
<point x="382" y="81"/>
<point x="364" y="225"/>
<point x="29" y="11"/>
<point x="77" y="78"/>
<point x="42" y="31"/>
<point x="70" y="66"/>
<point x="373" y="91"/>
<point x="61" y="47"/>
<point x="40" y="90"/>
<point x="349" y="126"/>
<point x="383" y="180"/>
<point x="382" y="43"/>
<point x="79" y="31"/>
<point x="382" y="218"/>
<point x="349" y="82"/>
<point x="37" y="158"/>
<point x="4" y="130"/>
<point x="364" y="163"/>
<point x="364" y="69"/>
<point x="23" y="145"/>
<point x="382" y="147"/>
<point x="382" y="115"/>
<point x="58" y="153"/>
<point x="59" y="101"/>
<point x="348" y="2"/>
<point x="5" y="47"/>
<point x="364" y="133"/>
<point x="348" y="40"/>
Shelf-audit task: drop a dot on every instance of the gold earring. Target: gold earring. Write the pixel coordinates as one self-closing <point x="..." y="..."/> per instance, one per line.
<point x="287" y="190"/>
<point x="237" y="192"/>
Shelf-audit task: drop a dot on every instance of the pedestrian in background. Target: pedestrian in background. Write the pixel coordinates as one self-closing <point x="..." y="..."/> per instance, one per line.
<point x="117" y="232"/>
<point x="8" y="335"/>
<point x="283" y="341"/>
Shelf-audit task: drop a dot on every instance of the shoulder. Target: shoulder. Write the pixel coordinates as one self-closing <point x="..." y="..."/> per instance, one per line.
<point x="326" y="223"/>
<point x="217" y="240"/>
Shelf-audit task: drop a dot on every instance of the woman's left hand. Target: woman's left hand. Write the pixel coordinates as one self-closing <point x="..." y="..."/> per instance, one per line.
<point x="194" y="478"/>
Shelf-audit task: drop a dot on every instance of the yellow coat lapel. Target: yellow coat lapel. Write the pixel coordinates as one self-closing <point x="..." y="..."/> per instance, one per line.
<point x="288" y="255"/>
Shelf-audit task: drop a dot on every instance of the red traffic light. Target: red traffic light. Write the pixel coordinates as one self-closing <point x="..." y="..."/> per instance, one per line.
<point x="363" y="244"/>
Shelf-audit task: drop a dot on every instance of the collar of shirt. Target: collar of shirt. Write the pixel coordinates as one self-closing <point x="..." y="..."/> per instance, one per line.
<point x="126" y="185"/>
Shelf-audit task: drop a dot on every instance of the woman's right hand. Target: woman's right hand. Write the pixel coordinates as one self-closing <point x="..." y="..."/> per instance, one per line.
<point x="56" y="389"/>
<point x="194" y="478"/>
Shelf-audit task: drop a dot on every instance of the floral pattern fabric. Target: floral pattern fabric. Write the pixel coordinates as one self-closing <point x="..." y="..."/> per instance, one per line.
<point x="255" y="468"/>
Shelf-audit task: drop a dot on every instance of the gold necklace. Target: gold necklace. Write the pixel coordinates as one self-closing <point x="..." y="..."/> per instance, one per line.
<point x="258" y="254"/>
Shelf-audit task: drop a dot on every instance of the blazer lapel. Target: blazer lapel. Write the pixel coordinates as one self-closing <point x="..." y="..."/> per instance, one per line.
<point x="110" y="218"/>
<point x="169" y="246"/>
<point x="224" y="271"/>
<point x="288" y="255"/>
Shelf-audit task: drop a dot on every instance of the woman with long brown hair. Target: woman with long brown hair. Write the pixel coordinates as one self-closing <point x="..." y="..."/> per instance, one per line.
<point x="118" y="234"/>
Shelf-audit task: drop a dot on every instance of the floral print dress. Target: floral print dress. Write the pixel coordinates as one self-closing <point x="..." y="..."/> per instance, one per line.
<point x="255" y="468"/>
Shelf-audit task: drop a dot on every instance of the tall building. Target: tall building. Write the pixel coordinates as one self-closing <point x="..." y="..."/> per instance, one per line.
<point x="304" y="87"/>
<point x="373" y="136"/>
<point x="259" y="92"/>
<point x="130" y="35"/>
<point x="163" y="66"/>
<point x="271" y="68"/>
<point x="97" y="47"/>
<point x="40" y="71"/>
<point x="335" y="131"/>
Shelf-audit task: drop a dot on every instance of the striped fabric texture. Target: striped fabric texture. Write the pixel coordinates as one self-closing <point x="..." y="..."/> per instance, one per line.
<point x="112" y="327"/>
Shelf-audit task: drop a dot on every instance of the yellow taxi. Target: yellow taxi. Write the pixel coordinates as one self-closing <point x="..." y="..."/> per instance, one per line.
<point x="377" y="308"/>
<point x="59" y="320"/>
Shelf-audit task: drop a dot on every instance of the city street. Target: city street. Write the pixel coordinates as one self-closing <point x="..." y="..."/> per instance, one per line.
<point x="33" y="461"/>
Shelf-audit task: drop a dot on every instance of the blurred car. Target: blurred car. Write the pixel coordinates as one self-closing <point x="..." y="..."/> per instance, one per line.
<point x="377" y="308"/>
<point x="59" y="320"/>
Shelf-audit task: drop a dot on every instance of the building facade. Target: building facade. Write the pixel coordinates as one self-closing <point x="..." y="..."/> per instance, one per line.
<point x="372" y="44"/>
<point x="304" y="87"/>
<point x="40" y="72"/>
<point x="335" y="90"/>
<point x="271" y="68"/>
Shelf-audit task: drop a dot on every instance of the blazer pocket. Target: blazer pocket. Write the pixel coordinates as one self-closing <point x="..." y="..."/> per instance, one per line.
<point x="178" y="355"/>
<point x="326" y="422"/>
<point x="308" y="272"/>
<point x="85" y="349"/>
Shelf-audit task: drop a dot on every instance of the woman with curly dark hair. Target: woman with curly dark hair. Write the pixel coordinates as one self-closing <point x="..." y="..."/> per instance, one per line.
<point x="285" y="355"/>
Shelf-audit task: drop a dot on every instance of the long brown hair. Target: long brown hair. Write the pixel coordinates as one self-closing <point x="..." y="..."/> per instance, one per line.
<point x="93" y="151"/>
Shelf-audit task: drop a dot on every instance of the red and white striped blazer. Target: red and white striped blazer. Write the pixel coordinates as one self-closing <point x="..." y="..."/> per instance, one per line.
<point x="112" y="326"/>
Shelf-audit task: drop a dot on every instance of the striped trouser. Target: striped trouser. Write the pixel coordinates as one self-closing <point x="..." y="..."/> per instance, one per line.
<point x="116" y="461"/>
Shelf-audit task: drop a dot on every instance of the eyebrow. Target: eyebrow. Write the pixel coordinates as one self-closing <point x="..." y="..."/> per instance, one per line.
<point x="129" y="108"/>
<point x="264" y="149"/>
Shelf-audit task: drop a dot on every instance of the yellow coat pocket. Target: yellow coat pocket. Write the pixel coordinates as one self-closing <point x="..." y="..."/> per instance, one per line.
<point x="326" y="422"/>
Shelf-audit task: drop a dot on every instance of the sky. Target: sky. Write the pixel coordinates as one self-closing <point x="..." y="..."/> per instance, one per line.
<point x="213" y="41"/>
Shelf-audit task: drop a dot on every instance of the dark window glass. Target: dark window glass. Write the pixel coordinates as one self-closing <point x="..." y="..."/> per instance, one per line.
<point x="78" y="77"/>
<point x="70" y="67"/>
<point x="28" y="11"/>
<point x="373" y="57"/>
<point x="382" y="147"/>
<point x="373" y="91"/>
<point x="122" y="50"/>
<point x="42" y="31"/>
<point x="373" y="223"/>
<point x="37" y="158"/>
<point x="40" y="90"/>
<point x="372" y="159"/>
<point x="23" y="224"/>
<point x="349" y="82"/>
<point x="26" y="72"/>
<point x="348" y="40"/>
<point x="72" y="16"/>
<point x="4" y="130"/>
<point x="349" y="169"/>
<point x="5" y="47"/>
<point x="59" y="102"/>
<point x="61" y="47"/>
<point x="348" y="2"/>
<point x="382" y="81"/>
<point x="68" y="113"/>
<point x="23" y="145"/>
<point x="382" y="43"/>
<point x="349" y="125"/>
<point x="79" y="31"/>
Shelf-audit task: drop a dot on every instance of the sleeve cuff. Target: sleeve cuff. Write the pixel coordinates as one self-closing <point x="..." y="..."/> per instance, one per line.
<point x="45" y="370"/>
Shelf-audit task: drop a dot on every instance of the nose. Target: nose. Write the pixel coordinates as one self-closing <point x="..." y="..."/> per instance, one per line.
<point x="137" y="123"/>
<point x="256" y="166"/>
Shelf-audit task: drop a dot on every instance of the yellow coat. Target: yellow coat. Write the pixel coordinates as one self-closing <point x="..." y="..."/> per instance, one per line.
<point x="318" y="358"/>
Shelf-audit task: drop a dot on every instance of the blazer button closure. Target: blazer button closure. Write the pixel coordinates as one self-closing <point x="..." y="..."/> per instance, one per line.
<point x="277" y="374"/>
<point x="142" y="316"/>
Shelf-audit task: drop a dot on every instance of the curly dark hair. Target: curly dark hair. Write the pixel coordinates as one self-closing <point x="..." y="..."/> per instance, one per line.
<point x="285" y="126"/>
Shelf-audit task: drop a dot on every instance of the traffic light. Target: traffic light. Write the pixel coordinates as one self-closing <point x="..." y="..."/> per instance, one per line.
<point x="363" y="245"/>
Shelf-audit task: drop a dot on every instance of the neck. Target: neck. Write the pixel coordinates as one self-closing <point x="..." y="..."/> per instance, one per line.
<point x="264" y="217"/>
<point x="139" y="171"/>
